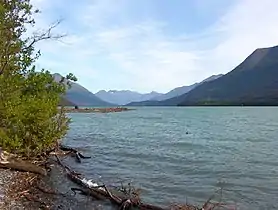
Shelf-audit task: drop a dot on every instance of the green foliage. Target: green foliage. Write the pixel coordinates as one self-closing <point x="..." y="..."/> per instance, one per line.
<point x="30" y="122"/>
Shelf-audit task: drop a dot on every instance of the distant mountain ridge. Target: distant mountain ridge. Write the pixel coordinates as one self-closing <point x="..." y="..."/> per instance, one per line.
<point x="253" y="82"/>
<point x="182" y="90"/>
<point x="80" y="96"/>
<point x="174" y="93"/>
<point x="172" y="98"/>
<point x="123" y="97"/>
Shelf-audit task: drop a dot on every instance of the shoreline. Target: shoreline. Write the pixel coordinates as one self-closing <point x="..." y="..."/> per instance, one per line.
<point x="25" y="190"/>
<point x="97" y="110"/>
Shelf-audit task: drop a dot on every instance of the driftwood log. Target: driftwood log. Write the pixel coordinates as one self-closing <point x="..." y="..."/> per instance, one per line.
<point x="10" y="161"/>
<point x="123" y="198"/>
<point x="101" y="192"/>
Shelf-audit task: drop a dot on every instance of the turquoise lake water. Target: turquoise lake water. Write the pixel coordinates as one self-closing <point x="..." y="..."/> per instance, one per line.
<point x="183" y="154"/>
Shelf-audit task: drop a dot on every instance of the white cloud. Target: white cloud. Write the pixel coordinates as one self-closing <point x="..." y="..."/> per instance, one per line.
<point x="154" y="60"/>
<point x="150" y="58"/>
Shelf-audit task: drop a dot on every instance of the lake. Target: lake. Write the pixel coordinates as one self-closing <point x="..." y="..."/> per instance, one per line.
<point x="184" y="154"/>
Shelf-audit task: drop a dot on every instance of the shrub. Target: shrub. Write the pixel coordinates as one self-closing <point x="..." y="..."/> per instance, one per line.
<point x="30" y="122"/>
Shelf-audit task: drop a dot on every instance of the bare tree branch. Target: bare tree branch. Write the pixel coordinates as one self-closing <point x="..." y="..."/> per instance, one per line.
<point x="46" y="35"/>
<point x="37" y="37"/>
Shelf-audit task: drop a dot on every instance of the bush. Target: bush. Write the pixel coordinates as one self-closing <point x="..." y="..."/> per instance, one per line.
<point x="30" y="122"/>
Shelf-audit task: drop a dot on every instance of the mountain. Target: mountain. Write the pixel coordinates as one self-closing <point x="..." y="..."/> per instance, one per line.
<point x="125" y="96"/>
<point x="172" y="98"/>
<point x="253" y="82"/>
<point x="80" y="96"/>
<point x="174" y="93"/>
<point x="211" y="78"/>
<point x="182" y="90"/>
<point x="65" y="102"/>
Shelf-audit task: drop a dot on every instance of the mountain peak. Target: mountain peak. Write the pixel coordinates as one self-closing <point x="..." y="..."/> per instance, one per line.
<point x="122" y="97"/>
<point x="78" y="95"/>
<point x="154" y="92"/>
<point x="57" y="74"/>
<point x="101" y="91"/>
<point x="267" y="48"/>
<point x="253" y="82"/>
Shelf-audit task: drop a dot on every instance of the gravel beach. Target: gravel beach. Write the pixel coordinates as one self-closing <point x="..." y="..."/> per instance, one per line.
<point x="7" y="178"/>
<point x="18" y="191"/>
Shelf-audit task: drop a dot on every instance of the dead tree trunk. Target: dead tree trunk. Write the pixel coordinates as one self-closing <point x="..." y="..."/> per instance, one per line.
<point x="20" y="165"/>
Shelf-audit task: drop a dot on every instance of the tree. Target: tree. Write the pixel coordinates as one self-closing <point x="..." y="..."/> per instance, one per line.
<point x="30" y="122"/>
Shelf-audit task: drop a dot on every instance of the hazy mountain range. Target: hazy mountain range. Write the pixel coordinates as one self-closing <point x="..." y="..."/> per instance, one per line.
<point x="172" y="98"/>
<point x="182" y="90"/>
<point x="253" y="82"/>
<point x="123" y="97"/>
<point x="78" y="95"/>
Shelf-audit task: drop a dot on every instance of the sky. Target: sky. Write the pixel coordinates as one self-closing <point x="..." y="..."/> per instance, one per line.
<point x="152" y="45"/>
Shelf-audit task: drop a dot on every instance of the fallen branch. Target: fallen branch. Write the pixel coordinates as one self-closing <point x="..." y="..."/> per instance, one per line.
<point x="126" y="198"/>
<point x="20" y="165"/>
<point x="101" y="192"/>
<point x="77" y="154"/>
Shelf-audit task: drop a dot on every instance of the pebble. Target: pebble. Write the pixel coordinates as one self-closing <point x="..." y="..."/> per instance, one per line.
<point x="6" y="177"/>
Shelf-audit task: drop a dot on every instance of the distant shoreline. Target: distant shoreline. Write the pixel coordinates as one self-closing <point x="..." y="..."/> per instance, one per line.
<point x="97" y="110"/>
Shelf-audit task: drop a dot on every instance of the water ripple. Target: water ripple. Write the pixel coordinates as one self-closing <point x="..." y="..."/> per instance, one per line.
<point x="180" y="154"/>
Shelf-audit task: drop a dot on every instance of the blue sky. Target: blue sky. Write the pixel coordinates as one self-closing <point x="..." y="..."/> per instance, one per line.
<point x="147" y="45"/>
